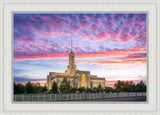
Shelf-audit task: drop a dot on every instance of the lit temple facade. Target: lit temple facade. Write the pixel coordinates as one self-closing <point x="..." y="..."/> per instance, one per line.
<point x="77" y="78"/>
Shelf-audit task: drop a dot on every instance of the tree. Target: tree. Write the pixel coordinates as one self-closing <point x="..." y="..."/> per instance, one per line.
<point x="99" y="88"/>
<point x="88" y="90"/>
<point x="54" y="87"/>
<point x="37" y="87"/>
<point x="29" y="87"/>
<point x="125" y="86"/>
<point x="141" y="87"/>
<point x="109" y="89"/>
<point x="95" y="90"/>
<point x="15" y="92"/>
<point x="119" y="85"/>
<point x="73" y="90"/>
<point x="65" y="86"/>
<point x="132" y="86"/>
<point x="44" y="89"/>
<point x="19" y="88"/>
<point x="81" y="89"/>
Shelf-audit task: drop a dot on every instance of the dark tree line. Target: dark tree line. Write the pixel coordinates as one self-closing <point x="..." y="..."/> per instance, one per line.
<point x="65" y="87"/>
<point x="127" y="86"/>
<point x="29" y="88"/>
<point x="119" y="86"/>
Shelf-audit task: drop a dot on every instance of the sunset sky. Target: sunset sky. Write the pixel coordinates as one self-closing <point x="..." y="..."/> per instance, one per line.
<point x="113" y="46"/>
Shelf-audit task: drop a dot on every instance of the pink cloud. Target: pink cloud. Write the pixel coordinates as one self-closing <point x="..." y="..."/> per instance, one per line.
<point x="46" y="18"/>
<point x="34" y="19"/>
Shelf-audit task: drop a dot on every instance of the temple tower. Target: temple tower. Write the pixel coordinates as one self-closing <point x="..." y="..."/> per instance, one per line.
<point x="71" y="68"/>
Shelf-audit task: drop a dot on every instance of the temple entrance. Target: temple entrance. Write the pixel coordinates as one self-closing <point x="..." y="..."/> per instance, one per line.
<point x="83" y="80"/>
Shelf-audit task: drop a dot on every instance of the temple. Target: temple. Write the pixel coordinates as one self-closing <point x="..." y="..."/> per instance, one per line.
<point x="77" y="78"/>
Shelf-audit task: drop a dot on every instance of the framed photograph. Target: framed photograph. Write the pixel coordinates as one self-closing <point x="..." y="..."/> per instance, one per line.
<point x="67" y="57"/>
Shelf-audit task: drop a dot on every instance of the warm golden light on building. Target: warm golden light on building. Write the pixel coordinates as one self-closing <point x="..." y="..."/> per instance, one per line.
<point x="83" y="80"/>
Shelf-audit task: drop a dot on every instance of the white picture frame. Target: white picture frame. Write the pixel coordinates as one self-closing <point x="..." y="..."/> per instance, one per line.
<point x="153" y="36"/>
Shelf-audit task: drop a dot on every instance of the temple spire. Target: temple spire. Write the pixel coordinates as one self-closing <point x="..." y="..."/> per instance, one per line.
<point x="71" y="68"/>
<point x="71" y="45"/>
